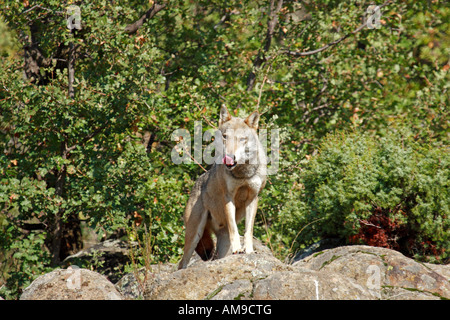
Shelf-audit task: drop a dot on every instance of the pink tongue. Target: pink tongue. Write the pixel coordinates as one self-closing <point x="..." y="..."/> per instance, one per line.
<point x="228" y="160"/>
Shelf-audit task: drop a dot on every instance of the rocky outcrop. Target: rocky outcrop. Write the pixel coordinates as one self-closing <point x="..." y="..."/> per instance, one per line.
<point x="386" y="273"/>
<point x="206" y="280"/>
<point x="349" y="272"/>
<point x="343" y="273"/>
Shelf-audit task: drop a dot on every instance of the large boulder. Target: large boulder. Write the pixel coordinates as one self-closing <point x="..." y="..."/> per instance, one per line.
<point x="343" y="273"/>
<point x="386" y="273"/>
<point x="71" y="284"/>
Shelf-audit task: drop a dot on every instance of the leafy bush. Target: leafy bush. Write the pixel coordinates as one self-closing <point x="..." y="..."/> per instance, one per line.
<point x="391" y="192"/>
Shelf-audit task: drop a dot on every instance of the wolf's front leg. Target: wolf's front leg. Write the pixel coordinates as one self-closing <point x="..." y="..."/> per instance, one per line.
<point x="250" y="213"/>
<point x="230" y="212"/>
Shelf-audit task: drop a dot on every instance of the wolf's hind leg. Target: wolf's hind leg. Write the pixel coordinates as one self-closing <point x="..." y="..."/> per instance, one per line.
<point x="195" y="227"/>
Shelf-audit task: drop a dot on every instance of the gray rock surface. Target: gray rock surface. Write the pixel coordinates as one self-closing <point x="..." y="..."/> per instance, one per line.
<point x="342" y="273"/>
<point x="310" y="285"/>
<point x="384" y="272"/>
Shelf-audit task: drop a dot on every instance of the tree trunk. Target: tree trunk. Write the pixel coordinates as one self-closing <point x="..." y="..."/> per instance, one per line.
<point x="71" y="69"/>
<point x="57" y="225"/>
<point x="261" y="58"/>
<point x="57" y="230"/>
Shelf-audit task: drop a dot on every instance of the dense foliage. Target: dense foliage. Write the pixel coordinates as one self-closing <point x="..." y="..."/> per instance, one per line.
<point x="391" y="192"/>
<point x="87" y="116"/>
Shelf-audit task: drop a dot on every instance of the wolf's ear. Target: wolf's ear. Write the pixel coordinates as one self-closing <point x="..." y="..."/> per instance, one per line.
<point x="224" y="115"/>
<point x="253" y="120"/>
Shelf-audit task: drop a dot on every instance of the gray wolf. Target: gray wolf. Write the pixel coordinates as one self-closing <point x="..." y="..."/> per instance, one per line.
<point x="228" y="192"/>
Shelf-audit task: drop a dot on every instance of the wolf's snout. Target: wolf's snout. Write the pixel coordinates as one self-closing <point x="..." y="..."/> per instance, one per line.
<point x="229" y="161"/>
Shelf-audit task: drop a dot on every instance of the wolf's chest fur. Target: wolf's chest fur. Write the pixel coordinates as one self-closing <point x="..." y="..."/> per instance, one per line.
<point x="240" y="186"/>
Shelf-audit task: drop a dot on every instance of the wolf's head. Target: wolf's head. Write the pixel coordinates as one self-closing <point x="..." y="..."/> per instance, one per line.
<point x="240" y="142"/>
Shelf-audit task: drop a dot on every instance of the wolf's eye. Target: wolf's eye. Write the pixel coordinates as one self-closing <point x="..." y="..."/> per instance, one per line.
<point x="224" y="136"/>
<point x="243" y="139"/>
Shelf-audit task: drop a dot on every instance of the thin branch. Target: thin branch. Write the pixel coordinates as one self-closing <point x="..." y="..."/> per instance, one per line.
<point x="200" y="109"/>
<point x="225" y="17"/>
<point x="365" y="222"/>
<point x="293" y="242"/>
<point x="89" y="136"/>
<point x="36" y="6"/>
<point x="132" y="28"/>
<point x="308" y="53"/>
<point x="262" y="86"/>
<point x="43" y="8"/>
<point x="324" y="88"/>
<point x="189" y="154"/>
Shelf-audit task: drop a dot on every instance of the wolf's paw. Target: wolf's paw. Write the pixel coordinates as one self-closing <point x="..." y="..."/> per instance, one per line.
<point x="244" y="251"/>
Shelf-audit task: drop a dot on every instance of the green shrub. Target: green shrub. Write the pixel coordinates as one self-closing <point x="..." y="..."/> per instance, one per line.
<point x="391" y="192"/>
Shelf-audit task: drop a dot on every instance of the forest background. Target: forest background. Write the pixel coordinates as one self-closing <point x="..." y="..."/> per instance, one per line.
<point x="91" y="92"/>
